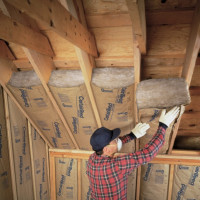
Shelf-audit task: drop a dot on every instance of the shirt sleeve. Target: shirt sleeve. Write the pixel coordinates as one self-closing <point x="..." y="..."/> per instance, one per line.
<point x="128" y="162"/>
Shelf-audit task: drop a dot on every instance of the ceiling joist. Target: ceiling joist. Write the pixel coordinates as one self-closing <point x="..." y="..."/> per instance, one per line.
<point x="13" y="31"/>
<point x="5" y="51"/>
<point x="137" y="13"/>
<point x="52" y="15"/>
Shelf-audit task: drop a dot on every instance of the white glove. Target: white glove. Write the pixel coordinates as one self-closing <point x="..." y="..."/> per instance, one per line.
<point x="140" y="129"/>
<point x="169" y="117"/>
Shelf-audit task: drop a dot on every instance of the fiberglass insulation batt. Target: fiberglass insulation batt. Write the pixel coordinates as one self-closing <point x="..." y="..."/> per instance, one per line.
<point x="155" y="94"/>
<point x="113" y="90"/>
<point x="29" y="92"/>
<point x="70" y="92"/>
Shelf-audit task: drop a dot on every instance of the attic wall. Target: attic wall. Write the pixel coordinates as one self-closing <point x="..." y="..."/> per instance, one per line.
<point x="28" y="155"/>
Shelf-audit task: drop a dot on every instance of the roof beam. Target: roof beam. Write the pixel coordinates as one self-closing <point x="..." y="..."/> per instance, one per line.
<point x="5" y="51"/>
<point x="192" y="47"/>
<point x="137" y="13"/>
<point x="13" y="31"/>
<point x="52" y="15"/>
<point x="86" y="61"/>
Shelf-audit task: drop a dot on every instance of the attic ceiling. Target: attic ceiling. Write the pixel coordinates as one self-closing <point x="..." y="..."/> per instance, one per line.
<point x="114" y="37"/>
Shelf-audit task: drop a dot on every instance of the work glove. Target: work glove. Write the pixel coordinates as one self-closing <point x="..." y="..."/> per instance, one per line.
<point x="140" y="129"/>
<point x="169" y="117"/>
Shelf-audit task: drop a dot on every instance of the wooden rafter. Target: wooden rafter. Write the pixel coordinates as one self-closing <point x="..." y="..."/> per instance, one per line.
<point x="13" y="31"/>
<point x="52" y="15"/>
<point x="190" y="60"/>
<point x="86" y="61"/>
<point x="137" y="13"/>
<point x="5" y="51"/>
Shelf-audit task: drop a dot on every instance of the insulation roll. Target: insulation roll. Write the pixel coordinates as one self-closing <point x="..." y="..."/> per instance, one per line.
<point x="66" y="179"/>
<point x="21" y="153"/>
<point x="186" y="182"/>
<point x="71" y="95"/>
<point x="162" y="93"/>
<point x="29" y="92"/>
<point x="154" y="181"/>
<point x="5" y="175"/>
<point x="113" y="89"/>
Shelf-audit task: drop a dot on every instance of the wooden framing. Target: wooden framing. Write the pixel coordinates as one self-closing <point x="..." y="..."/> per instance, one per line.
<point x="190" y="158"/>
<point x="10" y="147"/>
<point x="13" y="31"/>
<point x="86" y="62"/>
<point x="137" y="13"/>
<point x="52" y="15"/>
<point x="5" y="51"/>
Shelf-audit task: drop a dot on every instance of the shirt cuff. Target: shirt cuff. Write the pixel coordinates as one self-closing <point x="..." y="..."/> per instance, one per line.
<point x="163" y="125"/>
<point x="131" y="135"/>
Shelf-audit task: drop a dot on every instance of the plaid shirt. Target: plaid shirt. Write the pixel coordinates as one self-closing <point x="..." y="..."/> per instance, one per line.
<point x="108" y="176"/>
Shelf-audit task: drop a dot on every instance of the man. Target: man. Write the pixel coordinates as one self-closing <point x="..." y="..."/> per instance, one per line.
<point x="108" y="175"/>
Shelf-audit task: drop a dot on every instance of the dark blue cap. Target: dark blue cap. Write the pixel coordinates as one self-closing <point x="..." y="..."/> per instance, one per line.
<point x="102" y="137"/>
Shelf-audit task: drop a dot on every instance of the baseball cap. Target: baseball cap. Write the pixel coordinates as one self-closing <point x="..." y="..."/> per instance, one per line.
<point x="102" y="137"/>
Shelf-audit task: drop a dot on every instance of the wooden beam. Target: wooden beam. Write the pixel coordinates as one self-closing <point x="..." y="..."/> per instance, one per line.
<point x="32" y="160"/>
<point x="79" y="178"/>
<point x="137" y="13"/>
<point x="186" y="152"/>
<point x="54" y="16"/>
<point x="10" y="147"/>
<point x="86" y="62"/>
<point x="13" y="31"/>
<point x="159" y="159"/>
<point x="5" y="51"/>
<point x="192" y="47"/>
<point x="171" y="179"/>
<point x="53" y="178"/>
<point x="43" y="66"/>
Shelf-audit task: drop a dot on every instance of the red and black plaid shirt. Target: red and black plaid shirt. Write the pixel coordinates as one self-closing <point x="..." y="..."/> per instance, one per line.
<point x="108" y="176"/>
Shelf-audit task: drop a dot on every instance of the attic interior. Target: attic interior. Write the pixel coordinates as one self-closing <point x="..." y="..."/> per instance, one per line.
<point x="68" y="67"/>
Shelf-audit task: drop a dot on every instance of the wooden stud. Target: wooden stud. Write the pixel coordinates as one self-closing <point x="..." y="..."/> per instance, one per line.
<point x="138" y="181"/>
<point x="79" y="179"/>
<point x="171" y="178"/>
<point x="48" y="167"/>
<point x="185" y="152"/>
<point x="137" y="13"/>
<point x="10" y="147"/>
<point x="53" y="177"/>
<point x="43" y="66"/>
<point x="13" y="31"/>
<point x="52" y="15"/>
<point x="32" y="159"/>
<point x="193" y="46"/>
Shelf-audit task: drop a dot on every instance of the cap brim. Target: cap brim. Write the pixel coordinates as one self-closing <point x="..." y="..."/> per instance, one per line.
<point x="116" y="133"/>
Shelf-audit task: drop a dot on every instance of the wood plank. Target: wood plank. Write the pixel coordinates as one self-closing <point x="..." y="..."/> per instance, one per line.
<point x="43" y="66"/>
<point x="193" y="46"/>
<point x="32" y="160"/>
<point x="53" y="178"/>
<point x="138" y="183"/>
<point x="79" y="179"/>
<point x="10" y="147"/>
<point x="55" y="17"/>
<point x="171" y="179"/>
<point x="186" y="152"/>
<point x="5" y="51"/>
<point x="137" y="14"/>
<point x="13" y="31"/>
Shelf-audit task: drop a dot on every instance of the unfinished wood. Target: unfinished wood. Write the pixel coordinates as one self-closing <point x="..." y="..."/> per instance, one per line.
<point x="193" y="46"/>
<point x="79" y="179"/>
<point x="138" y="183"/>
<point x="5" y="51"/>
<point x="186" y="152"/>
<point x="196" y="75"/>
<point x="23" y="64"/>
<point x="43" y="65"/>
<point x="10" y="147"/>
<point x="55" y="17"/>
<point x="5" y="75"/>
<point x="137" y="14"/>
<point x="171" y="179"/>
<point x="53" y="178"/>
<point x="32" y="160"/>
<point x="13" y="31"/>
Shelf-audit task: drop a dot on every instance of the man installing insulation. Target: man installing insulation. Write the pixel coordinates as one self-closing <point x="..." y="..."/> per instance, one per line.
<point x="108" y="175"/>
